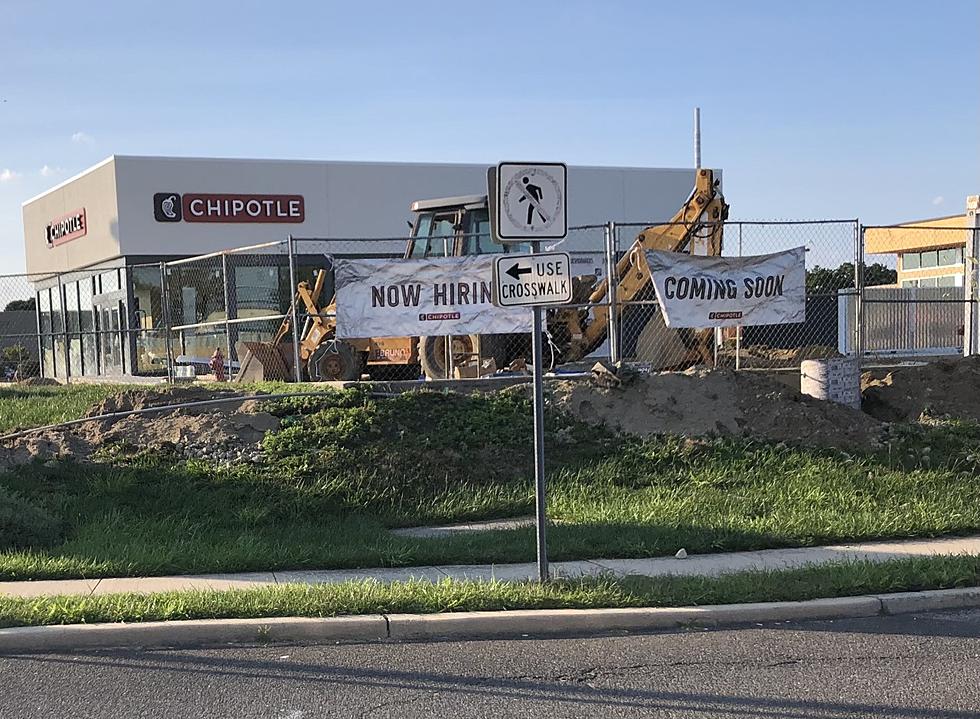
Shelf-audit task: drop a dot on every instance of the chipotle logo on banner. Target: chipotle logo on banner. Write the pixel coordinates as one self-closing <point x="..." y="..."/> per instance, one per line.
<point x="67" y="227"/>
<point x="228" y="208"/>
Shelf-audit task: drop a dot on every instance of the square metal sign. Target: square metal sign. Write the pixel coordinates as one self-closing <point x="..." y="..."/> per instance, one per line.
<point x="532" y="280"/>
<point x="530" y="201"/>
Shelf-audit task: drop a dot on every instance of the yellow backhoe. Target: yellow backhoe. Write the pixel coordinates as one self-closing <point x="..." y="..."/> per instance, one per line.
<point x="460" y="226"/>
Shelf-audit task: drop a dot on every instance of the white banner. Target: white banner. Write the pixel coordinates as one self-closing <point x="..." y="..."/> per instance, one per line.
<point x="437" y="296"/>
<point x="729" y="291"/>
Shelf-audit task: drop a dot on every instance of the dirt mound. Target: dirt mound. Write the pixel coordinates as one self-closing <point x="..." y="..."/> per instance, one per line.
<point x="945" y="388"/>
<point x="702" y="402"/>
<point x="224" y="433"/>
<point x="146" y="399"/>
<point x="39" y="382"/>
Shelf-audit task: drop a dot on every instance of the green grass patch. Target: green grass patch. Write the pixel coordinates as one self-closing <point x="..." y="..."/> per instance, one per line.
<point x="418" y="597"/>
<point x="25" y="407"/>
<point x="346" y="467"/>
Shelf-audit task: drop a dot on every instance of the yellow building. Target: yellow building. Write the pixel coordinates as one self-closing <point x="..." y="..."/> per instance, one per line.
<point x="928" y="253"/>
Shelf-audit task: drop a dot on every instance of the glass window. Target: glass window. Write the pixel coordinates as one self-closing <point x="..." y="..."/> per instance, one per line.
<point x="928" y="282"/>
<point x="930" y="258"/>
<point x="910" y="261"/>
<point x="421" y="244"/>
<point x="441" y="232"/>
<point x="71" y="305"/>
<point x="109" y="281"/>
<point x="57" y="317"/>
<point x="257" y="291"/>
<point x="947" y="281"/>
<point x="44" y="305"/>
<point x="47" y="356"/>
<point x="478" y="238"/>
<point x="910" y="283"/>
<point x="85" y="304"/>
<point x="445" y="228"/>
<point x="950" y="256"/>
<point x="147" y="302"/>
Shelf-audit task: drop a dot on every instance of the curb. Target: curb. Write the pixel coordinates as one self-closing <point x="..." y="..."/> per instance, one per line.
<point x="195" y="632"/>
<point x="470" y="625"/>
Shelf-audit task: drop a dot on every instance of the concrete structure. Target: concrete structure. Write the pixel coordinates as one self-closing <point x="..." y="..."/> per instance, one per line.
<point x="110" y="227"/>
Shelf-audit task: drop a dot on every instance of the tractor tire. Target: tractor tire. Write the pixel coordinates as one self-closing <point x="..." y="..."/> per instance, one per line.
<point x="432" y="353"/>
<point x="336" y="362"/>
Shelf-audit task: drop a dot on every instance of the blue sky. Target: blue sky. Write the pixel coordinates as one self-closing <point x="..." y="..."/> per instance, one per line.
<point x="825" y="109"/>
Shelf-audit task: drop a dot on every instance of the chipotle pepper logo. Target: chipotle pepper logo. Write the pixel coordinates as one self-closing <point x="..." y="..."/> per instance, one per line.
<point x="227" y="208"/>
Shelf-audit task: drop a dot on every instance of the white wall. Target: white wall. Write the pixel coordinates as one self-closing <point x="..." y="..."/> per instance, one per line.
<point x="349" y="199"/>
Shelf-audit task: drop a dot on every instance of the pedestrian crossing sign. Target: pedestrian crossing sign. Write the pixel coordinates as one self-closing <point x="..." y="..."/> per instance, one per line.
<point x="530" y="201"/>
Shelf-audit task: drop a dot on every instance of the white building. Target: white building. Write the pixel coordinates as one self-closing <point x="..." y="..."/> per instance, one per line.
<point x="111" y="225"/>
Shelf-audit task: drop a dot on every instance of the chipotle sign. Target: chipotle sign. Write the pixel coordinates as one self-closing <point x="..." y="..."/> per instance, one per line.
<point x="228" y="208"/>
<point x="67" y="227"/>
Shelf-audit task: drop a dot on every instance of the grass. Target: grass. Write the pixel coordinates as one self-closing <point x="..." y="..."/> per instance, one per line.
<point x="25" y="407"/>
<point x="345" y="467"/>
<point x="370" y="597"/>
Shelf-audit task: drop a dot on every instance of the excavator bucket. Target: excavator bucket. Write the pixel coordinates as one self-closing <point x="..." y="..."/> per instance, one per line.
<point x="262" y="362"/>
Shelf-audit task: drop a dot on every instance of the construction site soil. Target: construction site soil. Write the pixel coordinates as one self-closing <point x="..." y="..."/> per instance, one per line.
<point x="695" y="403"/>
<point x="721" y="402"/>
<point x="948" y="388"/>
<point x="224" y="433"/>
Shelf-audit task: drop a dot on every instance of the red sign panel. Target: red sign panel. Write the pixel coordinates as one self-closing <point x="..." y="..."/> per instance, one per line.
<point x="68" y="227"/>
<point x="243" y="208"/>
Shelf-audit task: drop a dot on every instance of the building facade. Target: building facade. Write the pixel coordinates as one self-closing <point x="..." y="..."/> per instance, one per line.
<point x="928" y="253"/>
<point x="94" y="243"/>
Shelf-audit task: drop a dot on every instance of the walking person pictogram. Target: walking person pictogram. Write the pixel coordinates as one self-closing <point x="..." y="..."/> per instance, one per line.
<point x="534" y="193"/>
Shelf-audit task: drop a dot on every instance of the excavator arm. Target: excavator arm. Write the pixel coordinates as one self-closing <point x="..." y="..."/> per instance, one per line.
<point x="696" y="228"/>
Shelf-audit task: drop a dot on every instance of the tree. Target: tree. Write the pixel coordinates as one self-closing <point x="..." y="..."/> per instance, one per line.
<point x="825" y="280"/>
<point x="27" y="305"/>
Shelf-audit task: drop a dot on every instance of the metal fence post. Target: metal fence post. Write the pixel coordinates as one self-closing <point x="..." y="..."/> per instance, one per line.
<point x="165" y="302"/>
<point x="610" y="239"/>
<point x="290" y="248"/>
<point x="738" y="329"/>
<point x="224" y="275"/>
<point x="859" y="288"/>
<point x="971" y="279"/>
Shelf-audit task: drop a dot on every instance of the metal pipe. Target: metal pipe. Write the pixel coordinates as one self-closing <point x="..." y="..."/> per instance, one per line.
<point x="611" y="282"/>
<point x="290" y="247"/>
<point x="64" y="329"/>
<point x="697" y="138"/>
<point x="859" y="287"/>
<point x="238" y="398"/>
<point x="224" y="275"/>
<point x="540" y="502"/>
<point x="185" y="260"/>
<point x="235" y="321"/>
<point x="165" y="302"/>
<point x="738" y="329"/>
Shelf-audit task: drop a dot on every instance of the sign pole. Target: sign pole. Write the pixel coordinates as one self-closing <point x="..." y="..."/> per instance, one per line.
<point x="529" y="203"/>
<point x="541" y="519"/>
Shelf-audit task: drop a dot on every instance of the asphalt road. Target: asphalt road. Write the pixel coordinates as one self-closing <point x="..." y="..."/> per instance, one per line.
<point x="911" y="666"/>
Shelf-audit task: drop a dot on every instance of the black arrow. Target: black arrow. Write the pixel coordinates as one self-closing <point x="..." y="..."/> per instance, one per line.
<point x="516" y="271"/>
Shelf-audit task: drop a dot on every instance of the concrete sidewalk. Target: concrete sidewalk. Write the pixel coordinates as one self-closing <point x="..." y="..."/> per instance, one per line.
<point x="695" y="565"/>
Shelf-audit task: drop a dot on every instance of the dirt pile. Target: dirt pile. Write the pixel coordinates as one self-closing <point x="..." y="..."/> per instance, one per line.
<point x="221" y="433"/>
<point x="945" y="388"/>
<point x="722" y="402"/>
<point x="146" y="399"/>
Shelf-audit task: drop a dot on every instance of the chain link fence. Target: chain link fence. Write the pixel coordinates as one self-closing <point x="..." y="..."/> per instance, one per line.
<point x="922" y="314"/>
<point x="832" y="254"/>
<point x="881" y="293"/>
